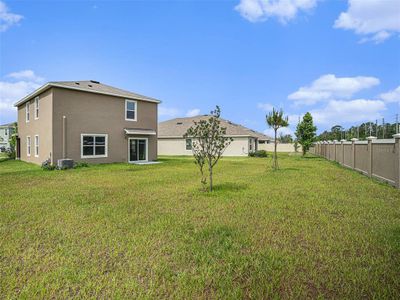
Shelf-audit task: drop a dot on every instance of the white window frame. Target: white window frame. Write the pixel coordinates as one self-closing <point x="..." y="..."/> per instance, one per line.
<point x="37" y="142"/>
<point x="28" y="145"/>
<point x="94" y="135"/>
<point x="36" y="108"/>
<point x="147" y="149"/>
<point x="191" y="144"/>
<point x="126" y="110"/>
<point x="27" y="112"/>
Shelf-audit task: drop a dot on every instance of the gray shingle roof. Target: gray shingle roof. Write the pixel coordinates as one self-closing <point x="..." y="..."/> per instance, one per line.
<point x="91" y="85"/>
<point x="178" y="127"/>
<point x="88" y="86"/>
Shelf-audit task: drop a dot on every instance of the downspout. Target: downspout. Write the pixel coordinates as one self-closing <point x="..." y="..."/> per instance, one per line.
<point x="64" y="137"/>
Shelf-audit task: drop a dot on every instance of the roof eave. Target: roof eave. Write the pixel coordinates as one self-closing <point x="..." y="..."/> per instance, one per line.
<point x="49" y="85"/>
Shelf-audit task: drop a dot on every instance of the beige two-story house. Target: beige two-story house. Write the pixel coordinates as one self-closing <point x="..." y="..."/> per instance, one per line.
<point x="86" y="121"/>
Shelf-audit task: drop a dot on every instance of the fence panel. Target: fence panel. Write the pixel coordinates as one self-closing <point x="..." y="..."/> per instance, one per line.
<point x="362" y="157"/>
<point x="384" y="161"/>
<point x="348" y="155"/>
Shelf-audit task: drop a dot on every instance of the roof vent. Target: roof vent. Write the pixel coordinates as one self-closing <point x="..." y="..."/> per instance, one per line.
<point x="89" y="85"/>
<point x="94" y="81"/>
<point x="77" y="83"/>
<point x="179" y="123"/>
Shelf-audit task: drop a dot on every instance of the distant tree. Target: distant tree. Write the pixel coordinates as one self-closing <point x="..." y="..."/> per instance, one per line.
<point x="306" y="132"/>
<point x="337" y="132"/>
<point x="13" y="142"/>
<point x="209" y="143"/>
<point x="285" y="138"/>
<point x="276" y="120"/>
<point x="296" y="145"/>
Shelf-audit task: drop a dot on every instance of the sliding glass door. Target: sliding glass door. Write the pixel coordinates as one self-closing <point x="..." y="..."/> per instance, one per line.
<point x="137" y="149"/>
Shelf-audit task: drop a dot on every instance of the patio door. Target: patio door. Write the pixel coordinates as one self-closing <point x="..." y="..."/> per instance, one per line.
<point x="137" y="149"/>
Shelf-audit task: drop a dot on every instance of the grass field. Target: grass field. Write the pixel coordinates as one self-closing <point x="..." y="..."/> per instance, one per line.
<point x="312" y="229"/>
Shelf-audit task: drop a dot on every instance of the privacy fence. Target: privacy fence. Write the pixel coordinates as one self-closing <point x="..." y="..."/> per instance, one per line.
<point x="375" y="158"/>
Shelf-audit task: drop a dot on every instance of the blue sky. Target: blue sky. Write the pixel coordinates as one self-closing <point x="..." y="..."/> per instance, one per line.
<point x="338" y="59"/>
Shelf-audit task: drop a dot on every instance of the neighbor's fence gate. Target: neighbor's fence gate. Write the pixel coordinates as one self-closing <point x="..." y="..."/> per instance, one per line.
<point x="375" y="158"/>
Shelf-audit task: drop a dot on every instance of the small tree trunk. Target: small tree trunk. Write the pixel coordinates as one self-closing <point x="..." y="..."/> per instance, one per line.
<point x="211" y="178"/>
<point x="275" y="156"/>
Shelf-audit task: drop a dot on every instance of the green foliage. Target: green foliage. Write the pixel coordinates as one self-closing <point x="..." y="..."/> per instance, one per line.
<point x="13" y="143"/>
<point x="258" y="153"/>
<point x="47" y="166"/>
<point x="305" y="132"/>
<point x="285" y="138"/>
<point x="209" y="143"/>
<point x="81" y="165"/>
<point x="276" y="120"/>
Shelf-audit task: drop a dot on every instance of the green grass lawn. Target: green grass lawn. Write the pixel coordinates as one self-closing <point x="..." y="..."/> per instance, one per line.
<point x="312" y="229"/>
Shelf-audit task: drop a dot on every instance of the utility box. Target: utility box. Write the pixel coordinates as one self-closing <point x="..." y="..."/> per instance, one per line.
<point x="65" y="163"/>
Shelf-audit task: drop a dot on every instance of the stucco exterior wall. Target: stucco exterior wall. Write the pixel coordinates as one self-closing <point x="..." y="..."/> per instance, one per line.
<point x="89" y="113"/>
<point x="41" y="126"/>
<point x="177" y="146"/>
<point x="280" y="147"/>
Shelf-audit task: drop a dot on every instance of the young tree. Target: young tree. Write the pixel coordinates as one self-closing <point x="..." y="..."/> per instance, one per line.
<point x="276" y="120"/>
<point x="209" y="143"/>
<point x="305" y="132"/>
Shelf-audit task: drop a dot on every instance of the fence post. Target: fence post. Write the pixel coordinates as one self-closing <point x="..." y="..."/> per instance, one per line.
<point x="397" y="140"/>
<point x="342" y="142"/>
<point x="353" y="150"/>
<point x="325" y="148"/>
<point x="334" y="147"/>
<point x="370" y="139"/>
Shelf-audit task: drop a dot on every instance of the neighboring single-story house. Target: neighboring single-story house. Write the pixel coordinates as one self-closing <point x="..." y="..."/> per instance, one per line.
<point x="171" y="141"/>
<point x="86" y="121"/>
<point x="6" y="131"/>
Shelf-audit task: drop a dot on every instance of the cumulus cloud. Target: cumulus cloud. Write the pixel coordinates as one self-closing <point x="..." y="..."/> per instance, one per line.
<point x="283" y="10"/>
<point x="391" y="96"/>
<point x="348" y="111"/>
<point x="329" y="87"/>
<point x="373" y="20"/>
<point x="193" y="112"/>
<point x="7" y="19"/>
<point x="267" y="107"/>
<point x="11" y="90"/>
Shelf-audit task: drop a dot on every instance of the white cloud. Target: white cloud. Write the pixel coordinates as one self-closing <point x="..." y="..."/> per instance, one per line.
<point x="391" y="96"/>
<point x="284" y="10"/>
<point x="25" y="75"/>
<point x="329" y="87"/>
<point x="265" y="106"/>
<point x="348" y="111"/>
<point x="169" y="112"/>
<point x="11" y="92"/>
<point x="193" y="112"/>
<point x="7" y="19"/>
<point x="374" y="20"/>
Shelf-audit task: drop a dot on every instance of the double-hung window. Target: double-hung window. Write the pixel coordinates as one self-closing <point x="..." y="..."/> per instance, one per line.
<point x="27" y="111"/>
<point x="94" y="145"/>
<point x="28" y="146"/>
<point x="188" y="144"/>
<point x="36" y="108"/>
<point x="130" y="110"/>
<point x="36" y="146"/>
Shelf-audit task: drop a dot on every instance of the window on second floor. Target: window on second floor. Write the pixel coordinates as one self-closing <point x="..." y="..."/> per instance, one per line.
<point x="130" y="110"/>
<point x="27" y="111"/>
<point x="37" y="108"/>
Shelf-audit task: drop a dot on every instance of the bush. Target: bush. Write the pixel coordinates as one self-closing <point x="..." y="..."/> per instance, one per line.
<point x="81" y="165"/>
<point x="258" y="153"/>
<point x="46" y="165"/>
